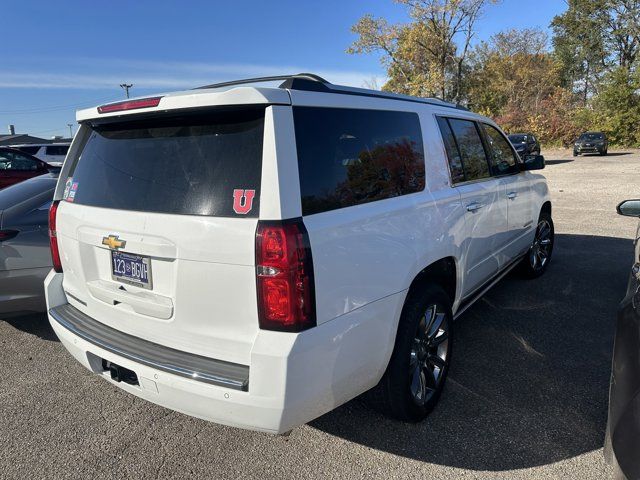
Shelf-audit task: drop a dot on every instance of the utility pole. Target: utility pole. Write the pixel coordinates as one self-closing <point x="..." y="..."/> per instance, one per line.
<point x="126" y="88"/>
<point x="70" y="125"/>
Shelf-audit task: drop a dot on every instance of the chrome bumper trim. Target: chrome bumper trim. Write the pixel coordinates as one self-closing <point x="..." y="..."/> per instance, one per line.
<point x="184" y="364"/>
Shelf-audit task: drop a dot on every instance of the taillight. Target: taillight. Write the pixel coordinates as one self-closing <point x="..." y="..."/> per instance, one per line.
<point x="7" y="234"/>
<point x="53" y="238"/>
<point x="284" y="271"/>
<point x="130" y="105"/>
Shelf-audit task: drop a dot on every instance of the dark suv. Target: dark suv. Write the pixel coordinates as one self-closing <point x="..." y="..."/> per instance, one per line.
<point x="525" y="144"/>
<point x="591" y="142"/>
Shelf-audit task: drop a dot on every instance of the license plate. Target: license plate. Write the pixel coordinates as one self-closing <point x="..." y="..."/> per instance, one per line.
<point x="131" y="269"/>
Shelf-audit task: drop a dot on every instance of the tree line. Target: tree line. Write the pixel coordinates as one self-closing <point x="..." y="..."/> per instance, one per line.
<point x="583" y="76"/>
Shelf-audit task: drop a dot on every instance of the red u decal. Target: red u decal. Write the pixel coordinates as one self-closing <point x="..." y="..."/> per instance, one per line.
<point x="243" y="201"/>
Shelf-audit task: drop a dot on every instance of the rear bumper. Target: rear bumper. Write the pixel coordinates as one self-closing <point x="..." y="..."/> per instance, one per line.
<point x="293" y="378"/>
<point x="183" y="364"/>
<point x="23" y="290"/>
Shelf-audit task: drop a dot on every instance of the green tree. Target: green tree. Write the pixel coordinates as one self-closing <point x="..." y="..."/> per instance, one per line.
<point x="580" y="44"/>
<point x="512" y="74"/>
<point x="617" y="106"/>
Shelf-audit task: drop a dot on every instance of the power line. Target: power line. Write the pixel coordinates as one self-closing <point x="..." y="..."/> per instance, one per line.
<point x="54" y="108"/>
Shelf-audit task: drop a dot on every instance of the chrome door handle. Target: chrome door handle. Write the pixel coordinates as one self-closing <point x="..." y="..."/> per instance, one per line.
<point x="475" y="206"/>
<point x="512" y="195"/>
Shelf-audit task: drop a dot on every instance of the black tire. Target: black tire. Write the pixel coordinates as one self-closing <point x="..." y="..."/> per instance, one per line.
<point x="538" y="257"/>
<point x="575" y="154"/>
<point x="404" y="393"/>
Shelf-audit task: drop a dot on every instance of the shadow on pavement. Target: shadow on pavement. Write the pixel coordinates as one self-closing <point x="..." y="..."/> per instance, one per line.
<point x="33" y="323"/>
<point x="609" y="154"/>
<point x="529" y="379"/>
<point x="557" y="162"/>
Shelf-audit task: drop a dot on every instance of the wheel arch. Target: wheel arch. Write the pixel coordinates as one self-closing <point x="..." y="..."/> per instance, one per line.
<point x="444" y="272"/>
<point x="546" y="207"/>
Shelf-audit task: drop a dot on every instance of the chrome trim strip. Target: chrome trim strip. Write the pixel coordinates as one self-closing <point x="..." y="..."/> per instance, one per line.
<point x="474" y="297"/>
<point x="184" y="364"/>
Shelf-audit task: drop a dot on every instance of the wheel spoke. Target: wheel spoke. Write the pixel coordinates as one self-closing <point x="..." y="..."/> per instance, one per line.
<point x="436" y="325"/>
<point x="430" y="376"/>
<point x="419" y="386"/>
<point x="413" y="360"/>
<point x="437" y="361"/>
<point x="438" y="339"/>
<point x="545" y="242"/>
<point x="430" y="317"/>
<point x="544" y="231"/>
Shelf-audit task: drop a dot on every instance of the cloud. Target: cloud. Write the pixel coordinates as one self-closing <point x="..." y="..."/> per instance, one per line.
<point x="93" y="74"/>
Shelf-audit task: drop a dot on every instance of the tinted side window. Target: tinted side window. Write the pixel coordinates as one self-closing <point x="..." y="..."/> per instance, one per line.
<point x="471" y="149"/>
<point x="349" y="157"/>
<point x="17" y="162"/>
<point x="57" y="149"/>
<point x="502" y="158"/>
<point x="29" y="150"/>
<point x="453" y="155"/>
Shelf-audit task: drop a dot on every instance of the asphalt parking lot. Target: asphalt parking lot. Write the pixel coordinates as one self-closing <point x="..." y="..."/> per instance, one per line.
<point x="526" y="396"/>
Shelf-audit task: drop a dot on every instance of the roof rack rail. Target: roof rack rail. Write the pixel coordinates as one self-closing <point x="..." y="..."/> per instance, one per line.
<point x="313" y="83"/>
<point x="307" y="76"/>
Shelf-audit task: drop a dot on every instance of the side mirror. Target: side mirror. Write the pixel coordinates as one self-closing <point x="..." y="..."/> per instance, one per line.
<point x="533" y="162"/>
<point x="629" y="208"/>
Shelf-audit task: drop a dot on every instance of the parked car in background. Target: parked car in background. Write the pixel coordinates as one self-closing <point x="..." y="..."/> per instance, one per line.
<point x="525" y="144"/>
<point x="17" y="166"/>
<point x="52" y="153"/>
<point x="25" y="256"/>
<point x="257" y="256"/>
<point x="591" y="142"/>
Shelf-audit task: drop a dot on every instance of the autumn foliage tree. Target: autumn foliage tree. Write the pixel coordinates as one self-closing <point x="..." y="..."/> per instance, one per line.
<point x="427" y="56"/>
<point x="585" y="77"/>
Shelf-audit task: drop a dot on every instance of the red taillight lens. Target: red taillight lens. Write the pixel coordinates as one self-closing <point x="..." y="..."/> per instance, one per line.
<point x="53" y="239"/>
<point x="284" y="269"/>
<point x="7" y="234"/>
<point x="130" y="105"/>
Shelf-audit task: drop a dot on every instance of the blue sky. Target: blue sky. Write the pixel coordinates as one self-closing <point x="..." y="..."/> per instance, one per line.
<point x="58" y="56"/>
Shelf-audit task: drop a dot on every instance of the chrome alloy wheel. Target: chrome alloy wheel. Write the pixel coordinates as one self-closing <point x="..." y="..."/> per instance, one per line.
<point x="429" y="354"/>
<point x="541" y="248"/>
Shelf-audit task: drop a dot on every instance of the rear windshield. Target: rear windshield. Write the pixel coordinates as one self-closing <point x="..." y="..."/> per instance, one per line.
<point x="57" y="150"/>
<point x="190" y="165"/>
<point x="518" y="138"/>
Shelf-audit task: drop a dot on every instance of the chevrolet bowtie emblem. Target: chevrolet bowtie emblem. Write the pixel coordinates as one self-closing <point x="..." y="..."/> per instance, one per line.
<point x="113" y="242"/>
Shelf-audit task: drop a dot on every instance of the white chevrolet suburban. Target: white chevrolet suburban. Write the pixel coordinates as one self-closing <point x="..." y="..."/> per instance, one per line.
<point x="257" y="253"/>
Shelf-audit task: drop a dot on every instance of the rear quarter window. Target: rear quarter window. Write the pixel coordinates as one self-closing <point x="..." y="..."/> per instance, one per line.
<point x="349" y="157"/>
<point x="188" y="165"/>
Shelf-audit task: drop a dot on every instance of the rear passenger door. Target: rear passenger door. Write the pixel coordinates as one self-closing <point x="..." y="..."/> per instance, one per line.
<point x="516" y="198"/>
<point x="485" y="217"/>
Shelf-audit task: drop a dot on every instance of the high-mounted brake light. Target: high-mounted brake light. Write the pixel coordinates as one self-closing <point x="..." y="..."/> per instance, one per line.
<point x="53" y="237"/>
<point x="130" y="105"/>
<point x="284" y="271"/>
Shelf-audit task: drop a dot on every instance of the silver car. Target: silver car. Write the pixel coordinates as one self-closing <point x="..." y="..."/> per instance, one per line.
<point x="25" y="256"/>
